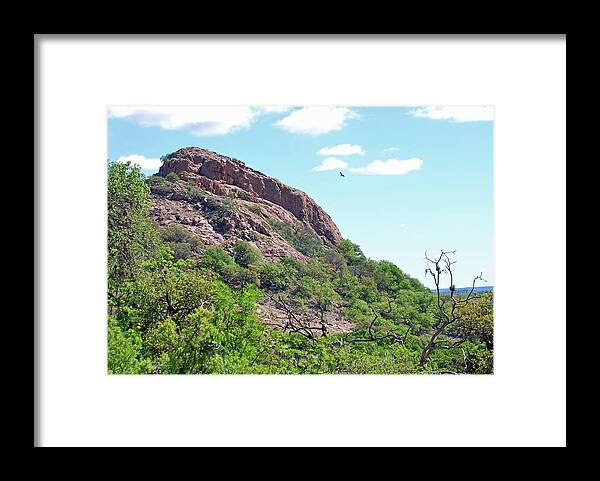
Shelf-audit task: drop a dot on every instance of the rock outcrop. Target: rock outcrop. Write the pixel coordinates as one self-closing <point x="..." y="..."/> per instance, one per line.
<point x="223" y="176"/>
<point x="220" y="200"/>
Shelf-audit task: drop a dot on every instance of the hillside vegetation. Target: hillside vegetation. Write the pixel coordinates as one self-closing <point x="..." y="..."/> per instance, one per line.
<point x="179" y="306"/>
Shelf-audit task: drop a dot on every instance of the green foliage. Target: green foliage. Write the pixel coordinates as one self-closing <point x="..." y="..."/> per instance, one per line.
<point x="480" y="361"/>
<point x="351" y="252"/>
<point x="124" y="351"/>
<point x="176" y="307"/>
<point x="172" y="177"/>
<point x="245" y="253"/>
<point x="299" y="236"/>
<point x="171" y="188"/>
<point x="220" y="262"/>
<point x="216" y="259"/>
<point x="192" y="194"/>
<point x="131" y="237"/>
<point x="160" y="186"/>
<point x="256" y="209"/>
<point x="220" y="205"/>
<point x="277" y="276"/>
<point x="477" y="320"/>
<point x="183" y="244"/>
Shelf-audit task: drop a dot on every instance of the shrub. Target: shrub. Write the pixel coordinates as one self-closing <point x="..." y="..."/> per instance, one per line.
<point x="335" y="259"/>
<point x="257" y="209"/>
<point x="193" y="194"/>
<point x="221" y="205"/>
<point x="160" y="186"/>
<point x="172" y="177"/>
<point x="183" y="244"/>
<point x="276" y="276"/>
<point x="216" y="259"/>
<point x="480" y="362"/>
<point x="245" y="253"/>
<point x="299" y="236"/>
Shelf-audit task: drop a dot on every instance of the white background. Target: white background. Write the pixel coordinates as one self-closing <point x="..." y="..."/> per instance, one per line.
<point x="522" y="404"/>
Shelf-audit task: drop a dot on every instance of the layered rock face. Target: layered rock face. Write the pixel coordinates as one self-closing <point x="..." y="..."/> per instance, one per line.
<point x="223" y="176"/>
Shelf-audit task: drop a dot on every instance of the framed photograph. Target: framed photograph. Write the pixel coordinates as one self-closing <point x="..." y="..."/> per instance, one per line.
<point x="242" y="229"/>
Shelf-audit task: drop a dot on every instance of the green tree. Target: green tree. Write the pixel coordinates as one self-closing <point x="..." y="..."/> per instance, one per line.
<point x="351" y="252"/>
<point x="478" y="319"/>
<point x="124" y="348"/>
<point x="131" y="237"/>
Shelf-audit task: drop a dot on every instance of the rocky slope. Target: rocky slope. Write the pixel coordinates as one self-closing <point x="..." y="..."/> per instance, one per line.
<point x="220" y="200"/>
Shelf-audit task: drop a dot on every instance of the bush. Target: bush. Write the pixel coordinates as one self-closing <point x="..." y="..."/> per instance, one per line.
<point x="481" y="362"/>
<point x="160" y="186"/>
<point x="220" y="205"/>
<point x="216" y="259"/>
<point x="193" y="194"/>
<point x="299" y="236"/>
<point x="183" y="244"/>
<point x="257" y="209"/>
<point x="276" y="276"/>
<point x="172" y="177"/>
<point x="245" y="253"/>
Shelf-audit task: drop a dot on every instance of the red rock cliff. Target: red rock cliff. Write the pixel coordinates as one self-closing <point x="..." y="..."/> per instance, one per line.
<point x="220" y="175"/>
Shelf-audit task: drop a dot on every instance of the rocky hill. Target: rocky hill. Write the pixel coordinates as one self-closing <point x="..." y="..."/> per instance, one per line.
<point x="220" y="200"/>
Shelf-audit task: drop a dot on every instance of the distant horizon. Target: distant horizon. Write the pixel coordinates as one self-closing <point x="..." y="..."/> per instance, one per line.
<point x="477" y="288"/>
<point x="415" y="179"/>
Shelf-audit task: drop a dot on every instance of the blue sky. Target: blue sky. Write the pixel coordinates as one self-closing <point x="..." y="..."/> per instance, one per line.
<point x="416" y="178"/>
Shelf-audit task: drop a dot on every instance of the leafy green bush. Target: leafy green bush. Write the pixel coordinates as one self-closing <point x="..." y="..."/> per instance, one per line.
<point x="299" y="236"/>
<point x="480" y="361"/>
<point x="172" y="177"/>
<point x="220" y="205"/>
<point x="183" y="244"/>
<point x="245" y="253"/>
<point x="276" y="276"/>
<point x="216" y="259"/>
<point x="193" y="194"/>
<point x="160" y="186"/>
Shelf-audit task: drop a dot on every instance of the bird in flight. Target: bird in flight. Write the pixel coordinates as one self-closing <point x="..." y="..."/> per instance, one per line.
<point x="342" y="175"/>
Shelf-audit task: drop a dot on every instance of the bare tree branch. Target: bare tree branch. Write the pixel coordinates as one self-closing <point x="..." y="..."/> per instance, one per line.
<point x="457" y="303"/>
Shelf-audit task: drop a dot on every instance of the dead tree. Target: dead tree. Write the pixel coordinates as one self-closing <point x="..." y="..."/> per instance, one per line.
<point x="301" y="322"/>
<point x="449" y="307"/>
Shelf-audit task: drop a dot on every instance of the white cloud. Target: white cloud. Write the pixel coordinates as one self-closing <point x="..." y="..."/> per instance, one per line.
<point x="198" y="121"/>
<point x="389" y="167"/>
<point x="142" y="161"/>
<point x="402" y="226"/>
<point x="316" y="120"/>
<point x="331" y="163"/>
<point x="391" y="149"/>
<point x="342" y="149"/>
<point x="456" y="114"/>
<point x="272" y="109"/>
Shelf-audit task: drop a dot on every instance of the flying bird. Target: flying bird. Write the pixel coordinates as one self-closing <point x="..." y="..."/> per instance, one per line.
<point x="342" y="175"/>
